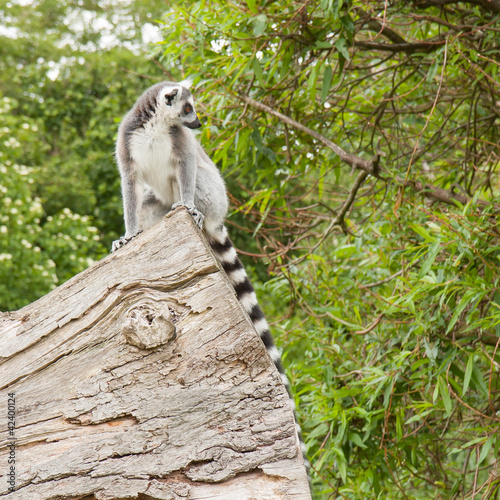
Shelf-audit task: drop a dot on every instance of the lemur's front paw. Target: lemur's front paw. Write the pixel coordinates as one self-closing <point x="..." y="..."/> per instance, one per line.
<point x="118" y="243"/>
<point x="195" y="213"/>
<point x="122" y="241"/>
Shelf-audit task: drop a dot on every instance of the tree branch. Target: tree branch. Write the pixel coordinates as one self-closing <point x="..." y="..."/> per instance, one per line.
<point x="339" y="219"/>
<point x="409" y="48"/>
<point x="438" y="194"/>
<point x="354" y="161"/>
<point x="489" y="5"/>
<point x="370" y="327"/>
<point x="434" y="193"/>
<point x="375" y="25"/>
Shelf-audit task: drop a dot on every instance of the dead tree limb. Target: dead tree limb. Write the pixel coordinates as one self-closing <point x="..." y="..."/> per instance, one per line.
<point x="142" y="377"/>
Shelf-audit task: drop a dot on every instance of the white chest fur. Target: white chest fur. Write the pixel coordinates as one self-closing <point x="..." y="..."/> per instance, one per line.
<point x="157" y="165"/>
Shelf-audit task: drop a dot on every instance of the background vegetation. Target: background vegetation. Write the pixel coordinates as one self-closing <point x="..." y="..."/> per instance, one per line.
<point x="359" y="140"/>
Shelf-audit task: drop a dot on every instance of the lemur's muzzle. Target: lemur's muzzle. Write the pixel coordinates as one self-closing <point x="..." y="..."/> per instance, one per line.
<point x="194" y="124"/>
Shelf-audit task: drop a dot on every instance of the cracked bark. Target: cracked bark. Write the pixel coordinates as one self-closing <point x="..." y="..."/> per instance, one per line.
<point x="142" y="377"/>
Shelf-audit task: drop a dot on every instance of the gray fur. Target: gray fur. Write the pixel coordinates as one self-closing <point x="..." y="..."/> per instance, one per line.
<point x="157" y="153"/>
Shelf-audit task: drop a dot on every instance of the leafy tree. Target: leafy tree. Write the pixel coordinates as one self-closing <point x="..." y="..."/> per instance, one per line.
<point x="68" y="72"/>
<point x="34" y="257"/>
<point x="361" y="140"/>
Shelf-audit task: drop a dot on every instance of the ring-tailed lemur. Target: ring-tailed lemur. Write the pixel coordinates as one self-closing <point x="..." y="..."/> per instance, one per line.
<point x="163" y="166"/>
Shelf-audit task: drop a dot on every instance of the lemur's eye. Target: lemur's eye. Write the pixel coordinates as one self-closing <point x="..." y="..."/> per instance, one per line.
<point x="188" y="108"/>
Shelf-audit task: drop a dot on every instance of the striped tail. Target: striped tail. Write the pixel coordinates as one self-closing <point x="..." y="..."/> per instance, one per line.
<point x="224" y="250"/>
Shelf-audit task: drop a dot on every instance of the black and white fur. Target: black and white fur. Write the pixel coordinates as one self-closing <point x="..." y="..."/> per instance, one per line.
<point x="162" y="166"/>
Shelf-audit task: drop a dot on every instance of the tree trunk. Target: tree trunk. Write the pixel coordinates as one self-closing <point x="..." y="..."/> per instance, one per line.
<point x="142" y="377"/>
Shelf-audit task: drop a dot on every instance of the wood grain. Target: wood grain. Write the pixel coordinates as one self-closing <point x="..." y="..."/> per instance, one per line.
<point x="142" y="377"/>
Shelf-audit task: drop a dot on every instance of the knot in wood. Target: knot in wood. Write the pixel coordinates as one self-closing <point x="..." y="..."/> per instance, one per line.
<point x="148" y="325"/>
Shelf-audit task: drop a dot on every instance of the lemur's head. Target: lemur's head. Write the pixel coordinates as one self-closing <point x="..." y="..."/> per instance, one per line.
<point x="177" y="104"/>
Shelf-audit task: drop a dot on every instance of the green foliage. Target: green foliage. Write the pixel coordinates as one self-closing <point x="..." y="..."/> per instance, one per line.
<point x="390" y="331"/>
<point x="400" y="369"/>
<point x="65" y="83"/>
<point x="36" y="252"/>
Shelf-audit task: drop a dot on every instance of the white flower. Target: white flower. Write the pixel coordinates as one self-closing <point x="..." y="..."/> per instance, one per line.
<point x="22" y="169"/>
<point x="11" y="143"/>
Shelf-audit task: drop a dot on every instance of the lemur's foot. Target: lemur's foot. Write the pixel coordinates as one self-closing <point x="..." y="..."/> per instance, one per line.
<point x="122" y="241"/>
<point x="195" y="213"/>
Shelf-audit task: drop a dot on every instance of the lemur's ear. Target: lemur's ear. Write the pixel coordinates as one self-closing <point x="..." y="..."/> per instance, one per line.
<point x="186" y="83"/>
<point x="170" y="95"/>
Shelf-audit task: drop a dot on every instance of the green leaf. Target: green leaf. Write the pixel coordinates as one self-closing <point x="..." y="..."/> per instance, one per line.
<point x="423" y="232"/>
<point x="251" y="6"/>
<point x="342" y="465"/>
<point x="258" y="71"/>
<point x="478" y="380"/>
<point x="485" y="450"/>
<point x="321" y="429"/>
<point x="388" y="393"/>
<point x="419" y="416"/>
<point x="259" y="24"/>
<point x="472" y="442"/>
<point x="327" y="81"/>
<point x="356" y="439"/>
<point x="466" y="300"/>
<point x="431" y="257"/>
<point x="341" y="46"/>
<point x="348" y="23"/>
<point x="445" y="395"/>
<point x="311" y="84"/>
<point x="468" y="373"/>
<point x="399" y="425"/>
<point x="432" y="71"/>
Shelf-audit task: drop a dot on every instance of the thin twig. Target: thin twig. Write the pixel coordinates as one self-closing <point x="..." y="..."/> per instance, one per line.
<point x="339" y="219"/>
<point x="385" y="280"/>
<point x="369" y="328"/>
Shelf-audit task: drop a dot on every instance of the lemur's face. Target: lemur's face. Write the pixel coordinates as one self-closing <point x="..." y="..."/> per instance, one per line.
<point x="178" y="105"/>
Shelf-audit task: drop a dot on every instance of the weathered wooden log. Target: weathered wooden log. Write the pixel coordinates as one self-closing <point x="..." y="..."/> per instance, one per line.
<point x="142" y="377"/>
